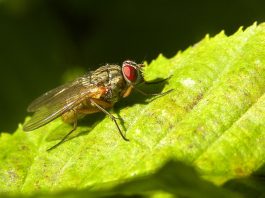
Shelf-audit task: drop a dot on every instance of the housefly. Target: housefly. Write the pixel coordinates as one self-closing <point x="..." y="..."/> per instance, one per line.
<point x="94" y="92"/>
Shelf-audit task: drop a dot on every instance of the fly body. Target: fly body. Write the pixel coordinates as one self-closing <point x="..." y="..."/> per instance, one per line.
<point x="106" y="85"/>
<point x="96" y="91"/>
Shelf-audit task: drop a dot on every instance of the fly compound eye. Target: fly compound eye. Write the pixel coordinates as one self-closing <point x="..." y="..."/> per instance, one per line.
<point x="130" y="71"/>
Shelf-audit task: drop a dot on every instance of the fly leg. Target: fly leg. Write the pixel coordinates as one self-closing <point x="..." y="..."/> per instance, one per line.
<point x="129" y="89"/>
<point x="151" y="83"/>
<point x="67" y="135"/>
<point x="156" y="82"/>
<point x="152" y="94"/>
<point x="94" y="103"/>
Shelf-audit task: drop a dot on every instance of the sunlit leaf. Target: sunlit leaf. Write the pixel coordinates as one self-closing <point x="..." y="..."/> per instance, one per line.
<point x="214" y="120"/>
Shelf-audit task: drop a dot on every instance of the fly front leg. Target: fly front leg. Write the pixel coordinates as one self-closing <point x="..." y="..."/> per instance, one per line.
<point x="100" y="105"/>
<point x="152" y="94"/>
<point x="156" y="82"/>
<point x="151" y="83"/>
<point x="129" y="89"/>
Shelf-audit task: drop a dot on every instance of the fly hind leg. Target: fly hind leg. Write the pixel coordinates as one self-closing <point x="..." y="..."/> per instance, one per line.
<point x="69" y="133"/>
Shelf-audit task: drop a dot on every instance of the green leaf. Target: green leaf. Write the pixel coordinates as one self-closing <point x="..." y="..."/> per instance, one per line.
<point x="160" y="184"/>
<point x="214" y="120"/>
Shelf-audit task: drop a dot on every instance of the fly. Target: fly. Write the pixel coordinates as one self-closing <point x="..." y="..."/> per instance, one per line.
<point x="94" y="92"/>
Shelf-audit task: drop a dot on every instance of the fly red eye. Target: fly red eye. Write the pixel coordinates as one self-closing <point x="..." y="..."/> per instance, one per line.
<point x="130" y="73"/>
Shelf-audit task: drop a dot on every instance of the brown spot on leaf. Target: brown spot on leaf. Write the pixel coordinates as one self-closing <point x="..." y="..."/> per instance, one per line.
<point x="239" y="171"/>
<point x="195" y="101"/>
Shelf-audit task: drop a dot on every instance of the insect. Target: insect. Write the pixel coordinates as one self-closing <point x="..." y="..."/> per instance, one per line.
<point x="94" y="92"/>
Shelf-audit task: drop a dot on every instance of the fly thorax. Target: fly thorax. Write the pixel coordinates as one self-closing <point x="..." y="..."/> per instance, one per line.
<point x="110" y="77"/>
<point x="116" y="83"/>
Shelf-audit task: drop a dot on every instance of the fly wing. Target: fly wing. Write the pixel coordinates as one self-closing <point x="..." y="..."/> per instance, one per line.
<point x="47" y="97"/>
<point x="57" y="101"/>
<point x="56" y="92"/>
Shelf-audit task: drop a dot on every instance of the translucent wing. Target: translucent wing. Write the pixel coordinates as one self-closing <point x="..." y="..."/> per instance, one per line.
<point x="57" y="101"/>
<point x="47" y="97"/>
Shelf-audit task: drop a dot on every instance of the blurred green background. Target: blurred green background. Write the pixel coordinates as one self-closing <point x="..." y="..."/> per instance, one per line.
<point x="41" y="41"/>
